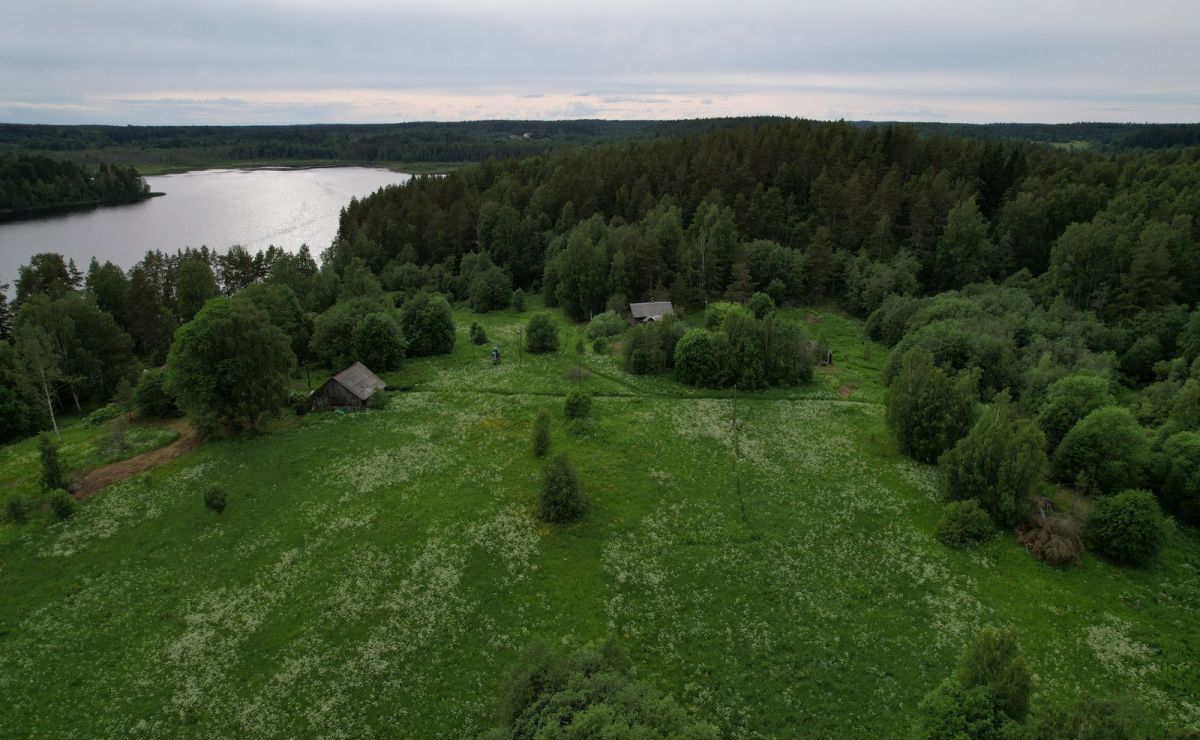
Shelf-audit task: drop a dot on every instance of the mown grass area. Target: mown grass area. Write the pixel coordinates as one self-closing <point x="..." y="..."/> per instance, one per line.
<point x="376" y="573"/>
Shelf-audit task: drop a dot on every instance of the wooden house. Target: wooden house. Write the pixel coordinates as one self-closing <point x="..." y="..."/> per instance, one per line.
<point x="642" y="313"/>
<point x="352" y="388"/>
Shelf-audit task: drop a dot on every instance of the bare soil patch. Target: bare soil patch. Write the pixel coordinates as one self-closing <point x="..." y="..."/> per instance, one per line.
<point x="100" y="478"/>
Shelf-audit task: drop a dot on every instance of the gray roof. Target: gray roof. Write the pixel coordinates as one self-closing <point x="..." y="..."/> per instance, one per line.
<point x="360" y="381"/>
<point x="653" y="309"/>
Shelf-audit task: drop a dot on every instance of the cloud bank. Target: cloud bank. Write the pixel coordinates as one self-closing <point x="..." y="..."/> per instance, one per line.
<point x="271" y="61"/>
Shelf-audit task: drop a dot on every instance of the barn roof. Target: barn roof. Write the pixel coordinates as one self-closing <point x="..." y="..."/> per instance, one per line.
<point x="651" y="310"/>
<point x="360" y="381"/>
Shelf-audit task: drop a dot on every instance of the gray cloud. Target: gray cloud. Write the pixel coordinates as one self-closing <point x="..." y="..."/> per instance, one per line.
<point x="271" y="61"/>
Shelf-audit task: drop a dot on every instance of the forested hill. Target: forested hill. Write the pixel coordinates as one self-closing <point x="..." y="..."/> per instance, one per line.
<point x="158" y="148"/>
<point x="166" y="147"/>
<point x="32" y="183"/>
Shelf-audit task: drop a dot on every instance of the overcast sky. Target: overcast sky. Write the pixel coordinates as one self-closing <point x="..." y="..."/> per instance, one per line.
<point x="306" y="61"/>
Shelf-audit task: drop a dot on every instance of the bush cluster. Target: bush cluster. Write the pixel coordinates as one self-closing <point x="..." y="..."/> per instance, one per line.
<point x="1106" y="452"/>
<point x="744" y="351"/>
<point x="1127" y="527"/>
<point x="927" y="409"/>
<point x="541" y="433"/>
<point x="561" y="498"/>
<point x="541" y="334"/>
<point x="477" y="333"/>
<point x="964" y="523"/>
<point x="606" y="324"/>
<point x="577" y="405"/>
<point x="151" y="397"/>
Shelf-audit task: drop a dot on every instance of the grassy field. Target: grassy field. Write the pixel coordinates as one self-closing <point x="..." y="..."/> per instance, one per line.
<point x="376" y="573"/>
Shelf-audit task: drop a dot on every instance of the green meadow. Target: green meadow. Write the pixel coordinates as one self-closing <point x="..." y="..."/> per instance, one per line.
<point x="376" y="573"/>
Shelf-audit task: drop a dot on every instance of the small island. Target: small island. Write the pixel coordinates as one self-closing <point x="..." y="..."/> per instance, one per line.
<point x="33" y="185"/>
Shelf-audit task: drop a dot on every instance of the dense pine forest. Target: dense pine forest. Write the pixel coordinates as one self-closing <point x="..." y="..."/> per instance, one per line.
<point x="32" y="182"/>
<point x="166" y="148"/>
<point x="933" y="339"/>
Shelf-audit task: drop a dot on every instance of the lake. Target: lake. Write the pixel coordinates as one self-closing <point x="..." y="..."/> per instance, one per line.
<point x="217" y="208"/>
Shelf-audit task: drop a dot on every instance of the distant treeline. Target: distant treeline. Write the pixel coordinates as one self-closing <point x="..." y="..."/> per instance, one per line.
<point x="165" y="147"/>
<point x="32" y="182"/>
<point x="199" y="146"/>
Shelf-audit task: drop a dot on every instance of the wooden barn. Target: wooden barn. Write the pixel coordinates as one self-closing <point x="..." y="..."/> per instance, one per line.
<point x="352" y="388"/>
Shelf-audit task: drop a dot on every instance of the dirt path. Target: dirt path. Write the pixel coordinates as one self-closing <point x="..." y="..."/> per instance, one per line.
<point x="101" y="478"/>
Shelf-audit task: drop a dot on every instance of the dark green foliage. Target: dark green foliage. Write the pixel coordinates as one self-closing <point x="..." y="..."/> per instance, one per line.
<point x="332" y="342"/>
<point x="590" y="693"/>
<point x="1105" y="452"/>
<point x="789" y="355"/>
<point x="606" y="324"/>
<point x="541" y="334"/>
<point x="518" y="300"/>
<point x="964" y="523"/>
<point x="282" y="306"/>
<point x="62" y="505"/>
<point x="600" y="345"/>
<point x="644" y="351"/>
<point x="1127" y="527"/>
<point x="490" y="290"/>
<point x="962" y="344"/>
<point x="927" y="409"/>
<point x="889" y="322"/>
<point x="761" y="305"/>
<point x="1177" y="469"/>
<point x="54" y="476"/>
<point x="377" y="342"/>
<point x="987" y="696"/>
<point x="427" y="323"/>
<point x="1000" y="463"/>
<point x="700" y="359"/>
<point x="1067" y="401"/>
<point x="15" y="510"/>
<point x="1185" y="410"/>
<point x="747" y="350"/>
<point x="541" y="433"/>
<point x="477" y="333"/>
<point x="561" y="500"/>
<point x="215" y="499"/>
<point x="577" y="405"/>
<point x="194" y="285"/>
<point x="151" y="397"/>
<point x="30" y="182"/>
<point x="229" y="366"/>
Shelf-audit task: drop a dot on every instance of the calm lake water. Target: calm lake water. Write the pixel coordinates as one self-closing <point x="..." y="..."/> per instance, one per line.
<point x="217" y="208"/>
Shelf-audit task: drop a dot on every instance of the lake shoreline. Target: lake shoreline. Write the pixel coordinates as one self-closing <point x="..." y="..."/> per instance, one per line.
<point x="404" y="168"/>
<point x="33" y="214"/>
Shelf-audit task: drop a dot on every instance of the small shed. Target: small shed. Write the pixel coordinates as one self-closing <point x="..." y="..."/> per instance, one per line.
<point x="641" y="313"/>
<point x="352" y="388"/>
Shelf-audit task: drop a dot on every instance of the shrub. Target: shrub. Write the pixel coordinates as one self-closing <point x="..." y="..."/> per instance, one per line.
<point x="1177" y="468"/>
<point x="518" y="300"/>
<point x="643" y="351"/>
<point x="1087" y="718"/>
<point x="1127" y="527"/>
<point x="53" y="474"/>
<point x="790" y="359"/>
<point x="1054" y="540"/>
<point x="490" y="290"/>
<point x="963" y="523"/>
<point x="606" y="324"/>
<point x="541" y="334"/>
<point x="377" y="342"/>
<point x="760" y="304"/>
<point x="215" y="499"/>
<point x="427" y="322"/>
<point x="600" y="346"/>
<point x="332" y="341"/>
<point x="1067" y="401"/>
<point x="477" y="333"/>
<point x="577" y="405"/>
<point x="889" y="322"/>
<point x="62" y="505"/>
<point x="151" y="397"/>
<point x="987" y="695"/>
<point x="541" y="433"/>
<point x="1000" y="463"/>
<point x="1105" y="452"/>
<point x="15" y="510"/>
<point x="103" y="415"/>
<point x="562" y="500"/>
<point x="927" y="409"/>
<point x="589" y="693"/>
<point x="698" y="360"/>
